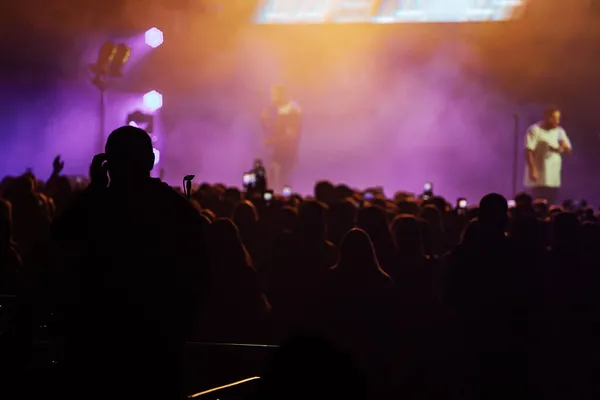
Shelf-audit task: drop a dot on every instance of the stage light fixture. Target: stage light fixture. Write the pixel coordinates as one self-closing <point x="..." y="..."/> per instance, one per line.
<point x="106" y="55"/>
<point x="121" y="55"/>
<point x="154" y="37"/>
<point x="153" y="100"/>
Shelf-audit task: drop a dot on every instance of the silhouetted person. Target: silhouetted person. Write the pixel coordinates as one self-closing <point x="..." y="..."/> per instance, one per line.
<point x="355" y="307"/>
<point x="373" y="220"/>
<point x="357" y="267"/>
<point x="435" y="230"/>
<point x="245" y="217"/>
<point x="485" y="287"/>
<point x="30" y="217"/>
<point x="523" y="205"/>
<point x="285" y="219"/>
<point x="324" y="191"/>
<point x="10" y="260"/>
<point x="58" y="187"/>
<point x="235" y="309"/>
<point x="341" y="218"/>
<point x="131" y="277"/>
<point x="299" y="263"/>
<point x="413" y="273"/>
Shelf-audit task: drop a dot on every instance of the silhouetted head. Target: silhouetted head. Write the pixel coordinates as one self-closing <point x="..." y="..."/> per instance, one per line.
<point x="523" y="204"/>
<point x="432" y="215"/>
<point x="30" y="178"/>
<point x="343" y="192"/>
<point x="312" y="220"/>
<point x="129" y="154"/>
<point x="324" y="191"/>
<point x="439" y="202"/>
<point x="493" y="211"/>
<point x="6" y="183"/>
<point x="357" y="252"/>
<point x="226" y="244"/>
<point x="343" y="213"/>
<point x="406" y="231"/>
<point x="286" y="218"/>
<point x="19" y="187"/>
<point x="565" y="230"/>
<point x="408" y="207"/>
<point x="245" y="214"/>
<point x="552" y="117"/>
<point x="279" y="95"/>
<point x="373" y="220"/>
<point x="233" y="194"/>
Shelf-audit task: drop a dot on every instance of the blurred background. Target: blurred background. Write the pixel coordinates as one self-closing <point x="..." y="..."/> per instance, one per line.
<point x="394" y="93"/>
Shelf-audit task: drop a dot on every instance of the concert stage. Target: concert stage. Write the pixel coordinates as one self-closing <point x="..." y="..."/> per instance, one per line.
<point x="383" y="103"/>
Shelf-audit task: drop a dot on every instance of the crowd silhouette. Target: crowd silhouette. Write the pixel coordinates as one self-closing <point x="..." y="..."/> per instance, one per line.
<point x="377" y="298"/>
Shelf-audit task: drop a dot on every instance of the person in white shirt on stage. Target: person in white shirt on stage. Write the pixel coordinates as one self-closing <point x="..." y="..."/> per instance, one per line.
<point x="545" y="144"/>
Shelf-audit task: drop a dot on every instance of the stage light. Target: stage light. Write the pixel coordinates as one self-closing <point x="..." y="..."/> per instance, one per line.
<point x="153" y="100"/>
<point x="154" y="37"/>
<point x="156" y="155"/>
<point x="134" y="124"/>
<point x="120" y="57"/>
<point x="106" y="55"/>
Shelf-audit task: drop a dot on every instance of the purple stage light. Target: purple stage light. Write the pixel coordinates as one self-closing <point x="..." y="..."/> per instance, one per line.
<point x="132" y="123"/>
<point x="156" y="155"/>
<point x="154" y="37"/>
<point x="153" y="100"/>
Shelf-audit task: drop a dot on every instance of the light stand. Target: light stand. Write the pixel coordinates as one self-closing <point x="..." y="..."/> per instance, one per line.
<point x="111" y="59"/>
<point x="100" y="82"/>
<point x="515" y="177"/>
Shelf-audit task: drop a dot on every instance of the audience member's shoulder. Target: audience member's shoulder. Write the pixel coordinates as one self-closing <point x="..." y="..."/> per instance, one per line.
<point x="174" y="202"/>
<point x="167" y="192"/>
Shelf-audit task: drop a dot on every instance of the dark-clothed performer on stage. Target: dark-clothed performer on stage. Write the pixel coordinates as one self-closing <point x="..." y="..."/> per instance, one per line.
<point x="282" y="123"/>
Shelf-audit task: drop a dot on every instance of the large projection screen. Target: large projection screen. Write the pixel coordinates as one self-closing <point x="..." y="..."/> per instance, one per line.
<point x="385" y="11"/>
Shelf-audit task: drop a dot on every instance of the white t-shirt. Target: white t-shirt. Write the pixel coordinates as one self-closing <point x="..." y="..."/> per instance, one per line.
<point x="548" y="161"/>
<point x="288" y="108"/>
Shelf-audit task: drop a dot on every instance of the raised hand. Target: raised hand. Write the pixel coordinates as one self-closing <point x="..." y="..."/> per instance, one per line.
<point x="58" y="165"/>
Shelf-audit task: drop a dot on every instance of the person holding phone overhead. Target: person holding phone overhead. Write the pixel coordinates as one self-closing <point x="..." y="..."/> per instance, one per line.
<point x="545" y="143"/>
<point x="282" y="123"/>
